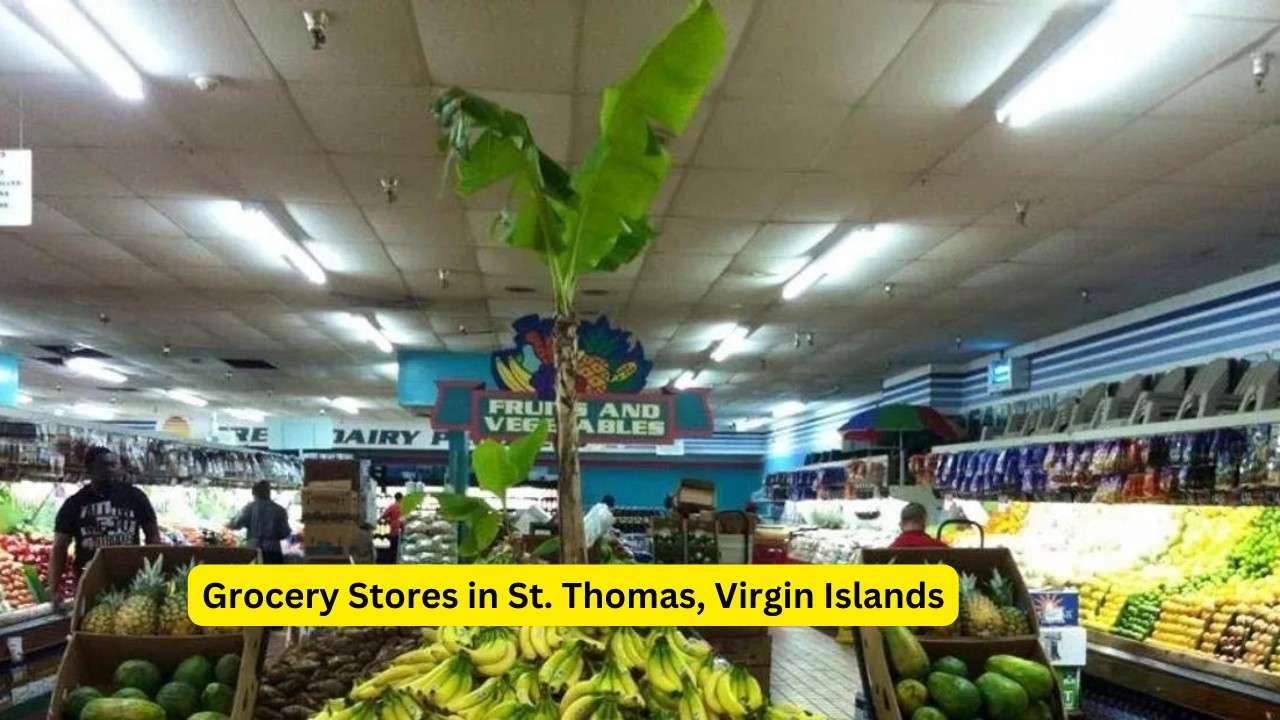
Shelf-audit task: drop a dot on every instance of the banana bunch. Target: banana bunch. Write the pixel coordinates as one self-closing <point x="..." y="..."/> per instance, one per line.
<point x="444" y="682"/>
<point x="627" y="648"/>
<point x="537" y="643"/>
<point x="593" y="707"/>
<point x="564" y="667"/>
<point x="611" y="680"/>
<point x="454" y="638"/>
<point x="690" y="648"/>
<point x="394" y="705"/>
<point x="494" y="652"/>
<point x="476" y="704"/>
<point x="689" y="705"/>
<point x="524" y="681"/>
<point x="789" y="712"/>
<point x="393" y="678"/>
<point x="516" y="710"/>
<point x="732" y="691"/>
<point x="665" y="668"/>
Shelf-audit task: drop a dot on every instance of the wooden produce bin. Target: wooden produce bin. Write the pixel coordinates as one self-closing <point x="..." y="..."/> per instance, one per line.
<point x="331" y="474"/>
<point x="116" y="566"/>
<point x="879" y="675"/>
<point x="92" y="659"/>
<point x="751" y="647"/>
<point x="977" y="561"/>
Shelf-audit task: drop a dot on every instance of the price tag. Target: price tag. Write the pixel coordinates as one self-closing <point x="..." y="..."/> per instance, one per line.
<point x="14" y="643"/>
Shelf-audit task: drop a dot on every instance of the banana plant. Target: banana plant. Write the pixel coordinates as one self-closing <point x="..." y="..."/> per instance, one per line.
<point x="498" y="468"/>
<point x="594" y="218"/>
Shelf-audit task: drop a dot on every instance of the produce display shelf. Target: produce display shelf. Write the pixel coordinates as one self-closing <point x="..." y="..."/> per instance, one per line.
<point x="15" y="473"/>
<point x="33" y="635"/>
<point x="1197" y="681"/>
<point x="25" y="687"/>
<point x="1171" y="427"/>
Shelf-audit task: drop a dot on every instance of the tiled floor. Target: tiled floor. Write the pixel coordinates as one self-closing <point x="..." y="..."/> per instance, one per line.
<point x="811" y="670"/>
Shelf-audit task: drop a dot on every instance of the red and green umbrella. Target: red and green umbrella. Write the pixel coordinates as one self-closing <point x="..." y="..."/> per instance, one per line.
<point x="870" y="424"/>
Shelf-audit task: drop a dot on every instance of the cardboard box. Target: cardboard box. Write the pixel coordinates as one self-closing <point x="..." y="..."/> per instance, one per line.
<point x="92" y="659"/>
<point x="1056" y="608"/>
<point x="1065" y="646"/>
<point x="693" y="495"/>
<point x="330" y="503"/>
<point x="116" y="567"/>
<point x="338" y="534"/>
<point x="327" y="470"/>
<point x="330" y="485"/>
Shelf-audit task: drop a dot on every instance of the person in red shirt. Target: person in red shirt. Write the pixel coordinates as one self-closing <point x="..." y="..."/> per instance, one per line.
<point x="392" y="516"/>
<point x="912" y="525"/>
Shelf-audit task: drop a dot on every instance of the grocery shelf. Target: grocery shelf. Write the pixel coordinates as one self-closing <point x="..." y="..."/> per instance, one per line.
<point x="1194" y="681"/>
<point x="40" y="630"/>
<point x="1171" y="427"/>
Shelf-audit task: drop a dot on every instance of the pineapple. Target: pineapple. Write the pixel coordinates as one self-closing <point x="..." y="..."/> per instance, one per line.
<point x="173" y="611"/>
<point x="1013" y="619"/>
<point x="978" y="615"/>
<point x="139" y="613"/>
<point x="101" y="617"/>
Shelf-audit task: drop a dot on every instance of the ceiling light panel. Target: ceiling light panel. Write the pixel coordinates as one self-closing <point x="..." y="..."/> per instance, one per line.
<point x="80" y="37"/>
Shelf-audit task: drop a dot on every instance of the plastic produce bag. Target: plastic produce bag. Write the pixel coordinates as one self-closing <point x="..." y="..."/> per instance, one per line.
<point x="597" y="523"/>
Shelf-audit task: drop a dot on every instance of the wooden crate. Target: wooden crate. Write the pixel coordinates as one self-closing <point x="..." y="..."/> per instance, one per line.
<point x="880" y="682"/>
<point x="92" y="659"/>
<point x="116" y="566"/>
<point x="329" y="471"/>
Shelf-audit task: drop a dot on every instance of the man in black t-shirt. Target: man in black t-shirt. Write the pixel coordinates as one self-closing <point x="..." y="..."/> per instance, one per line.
<point x="104" y="513"/>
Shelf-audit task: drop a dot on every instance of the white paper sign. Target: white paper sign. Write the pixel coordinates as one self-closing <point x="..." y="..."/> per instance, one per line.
<point x="15" y="188"/>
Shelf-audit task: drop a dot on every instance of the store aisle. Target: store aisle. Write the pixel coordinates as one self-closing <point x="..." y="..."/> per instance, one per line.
<point x="812" y="670"/>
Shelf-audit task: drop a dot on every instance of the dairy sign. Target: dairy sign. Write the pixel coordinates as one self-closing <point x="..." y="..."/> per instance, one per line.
<point x="648" y="418"/>
<point x="375" y="437"/>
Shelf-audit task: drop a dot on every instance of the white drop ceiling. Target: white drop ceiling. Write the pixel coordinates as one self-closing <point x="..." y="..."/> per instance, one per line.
<point x="827" y="112"/>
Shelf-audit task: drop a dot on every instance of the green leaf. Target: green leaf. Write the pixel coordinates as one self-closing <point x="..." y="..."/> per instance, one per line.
<point x="460" y="508"/>
<point x="490" y="159"/>
<point x="410" y="502"/>
<point x="524" y="450"/>
<point x="494" y="470"/>
<point x="479" y="534"/>
<point x="547" y="548"/>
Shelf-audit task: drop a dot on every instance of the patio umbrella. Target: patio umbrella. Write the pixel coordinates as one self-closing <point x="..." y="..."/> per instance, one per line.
<point x="901" y="419"/>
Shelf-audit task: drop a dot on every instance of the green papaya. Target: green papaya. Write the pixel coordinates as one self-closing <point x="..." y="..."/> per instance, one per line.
<point x="956" y="696"/>
<point x="912" y="695"/>
<point x="121" y="709"/>
<point x="1035" y="679"/>
<point x="928" y="712"/>
<point x="905" y="653"/>
<point x="951" y="664"/>
<point x="1038" y="710"/>
<point x="1002" y="698"/>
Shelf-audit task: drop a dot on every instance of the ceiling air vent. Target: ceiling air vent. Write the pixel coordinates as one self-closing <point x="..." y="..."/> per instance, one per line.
<point x="249" y="364"/>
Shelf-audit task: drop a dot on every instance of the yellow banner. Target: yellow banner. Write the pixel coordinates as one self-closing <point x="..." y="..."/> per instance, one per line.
<point x="602" y="595"/>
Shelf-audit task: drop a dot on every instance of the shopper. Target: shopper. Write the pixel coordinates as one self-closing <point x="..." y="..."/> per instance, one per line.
<point x="105" y="513"/>
<point x="394" y="525"/>
<point x="912" y="525"/>
<point x="267" y="524"/>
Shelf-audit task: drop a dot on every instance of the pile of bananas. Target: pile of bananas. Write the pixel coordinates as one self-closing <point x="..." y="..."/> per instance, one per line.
<point x="553" y="673"/>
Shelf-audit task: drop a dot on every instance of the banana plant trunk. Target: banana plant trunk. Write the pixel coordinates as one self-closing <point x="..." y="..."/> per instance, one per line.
<point x="572" y="538"/>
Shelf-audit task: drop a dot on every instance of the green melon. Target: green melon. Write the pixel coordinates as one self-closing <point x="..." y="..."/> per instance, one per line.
<point x="141" y="674"/>
<point x="127" y="693"/>
<point x="77" y="699"/>
<point x="217" y="697"/>
<point x="227" y="671"/>
<point x="195" y="671"/>
<point x="179" y="700"/>
<point x="121" y="709"/>
<point x="206" y="715"/>
<point x="951" y="665"/>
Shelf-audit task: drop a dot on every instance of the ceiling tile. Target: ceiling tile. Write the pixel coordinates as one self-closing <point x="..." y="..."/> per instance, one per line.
<point x="115" y="216"/>
<point x="984" y="244"/>
<point x="201" y="218"/>
<point x="421" y="256"/>
<point x="933" y="274"/>
<point x="504" y="260"/>
<point x="950" y="199"/>
<point x="702" y="237"/>
<point x="70" y="172"/>
<point x="1160" y="206"/>
<point x="683" y="268"/>
<point x="1070" y="246"/>
<point x="418" y="180"/>
<point x="240" y="116"/>
<point x="167" y="251"/>
<point x="158" y="172"/>
<point x="26" y="51"/>
<point x="1052" y="203"/>
<point x="586" y="128"/>
<point x="550" y="118"/>
<point x="367" y="43"/>
<point x="824" y="50"/>
<point x="830" y="196"/>
<point x="1153" y="147"/>
<point x="403" y="225"/>
<point x="47" y="220"/>
<point x="786" y="240"/>
<point x="288" y="178"/>
<point x="466" y="287"/>
<point x="352" y="258"/>
<point x="79" y="249"/>
<point x="1253" y="160"/>
<point x="732" y="194"/>
<point x="757" y="134"/>
<point x="489" y="44"/>
<point x="1039" y="149"/>
<point x="332" y="223"/>
<point x="79" y="111"/>
<point x="365" y="119"/>
<point x="899" y="140"/>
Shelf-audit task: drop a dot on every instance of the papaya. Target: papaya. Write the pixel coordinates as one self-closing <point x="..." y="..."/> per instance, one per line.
<point x="954" y="695"/>
<point x="1038" y="710"/>
<point x="928" y="712"/>
<point x="1035" y="679"/>
<point x="905" y="653"/>
<point x="141" y="674"/>
<point x="195" y="671"/>
<point x="1002" y="698"/>
<point x="77" y="699"/>
<point x="227" y="670"/>
<point x="912" y="695"/>
<point x="208" y="715"/>
<point x="121" y="709"/>
<point x="951" y="664"/>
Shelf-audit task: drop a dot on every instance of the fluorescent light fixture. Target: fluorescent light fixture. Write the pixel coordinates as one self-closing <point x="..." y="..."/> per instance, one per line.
<point x="246" y="414"/>
<point x="80" y="37"/>
<point x="858" y="243"/>
<point x="256" y="223"/>
<point x="348" y="405"/>
<point x="25" y="399"/>
<point x="372" y="333"/>
<point x="93" y="411"/>
<point x="685" y="380"/>
<point x="749" y="424"/>
<point x="730" y="345"/>
<point x="95" y="369"/>
<point x="1125" y="37"/>
<point x="787" y="409"/>
<point x="187" y="398"/>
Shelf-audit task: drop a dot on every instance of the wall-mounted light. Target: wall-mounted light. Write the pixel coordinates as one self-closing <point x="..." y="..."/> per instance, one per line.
<point x="1125" y="37"/>
<point x="96" y="369"/>
<point x="258" y="224"/>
